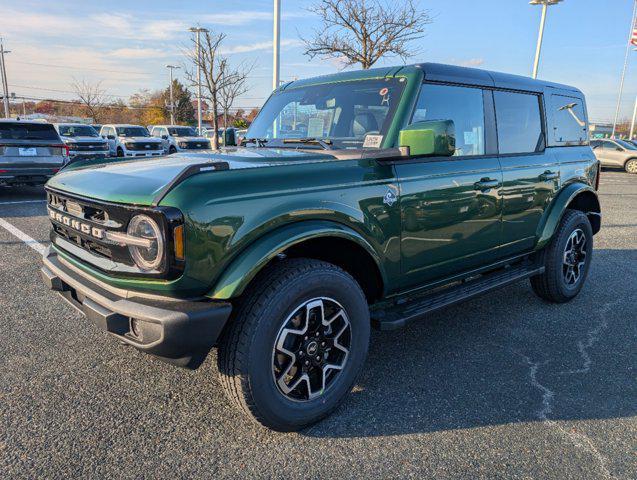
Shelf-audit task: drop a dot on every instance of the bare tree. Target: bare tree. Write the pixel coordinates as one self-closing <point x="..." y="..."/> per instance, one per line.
<point x="235" y="84"/>
<point x="215" y="73"/>
<point x="363" y="31"/>
<point x="91" y="95"/>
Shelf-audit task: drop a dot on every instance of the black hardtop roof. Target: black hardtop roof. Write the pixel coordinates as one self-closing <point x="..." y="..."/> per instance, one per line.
<point x="476" y="76"/>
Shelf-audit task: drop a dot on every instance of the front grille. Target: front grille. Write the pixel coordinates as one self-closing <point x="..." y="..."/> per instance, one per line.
<point x="144" y="146"/>
<point x="194" y="145"/>
<point x="88" y="146"/>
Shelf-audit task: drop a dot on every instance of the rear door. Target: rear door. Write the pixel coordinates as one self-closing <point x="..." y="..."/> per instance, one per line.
<point x="531" y="173"/>
<point x="450" y="206"/>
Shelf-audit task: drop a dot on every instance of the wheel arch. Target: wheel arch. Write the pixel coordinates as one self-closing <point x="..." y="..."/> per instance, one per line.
<point x="322" y="240"/>
<point x="576" y="196"/>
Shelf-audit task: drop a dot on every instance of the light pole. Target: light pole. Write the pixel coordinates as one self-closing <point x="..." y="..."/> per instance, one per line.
<point x="632" y="124"/>
<point x="5" y="83"/>
<point x="198" y="31"/>
<point x="276" y="67"/>
<point x="172" y="103"/>
<point x="545" y="4"/>
<point x="621" y="82"/>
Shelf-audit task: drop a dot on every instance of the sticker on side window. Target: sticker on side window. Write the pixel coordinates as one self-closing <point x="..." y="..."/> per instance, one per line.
<point x="372" y="141"/>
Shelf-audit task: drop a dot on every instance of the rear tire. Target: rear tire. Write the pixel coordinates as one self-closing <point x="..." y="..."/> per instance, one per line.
<point x="269" y="364"/>
<point x="631" y="166"/>
<point x="566" y="259"/>
<point x="172" y="150"/>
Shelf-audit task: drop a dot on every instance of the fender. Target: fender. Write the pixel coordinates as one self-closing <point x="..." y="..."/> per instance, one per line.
<point x="248" y="263"/>
<point x="553" y="216"/>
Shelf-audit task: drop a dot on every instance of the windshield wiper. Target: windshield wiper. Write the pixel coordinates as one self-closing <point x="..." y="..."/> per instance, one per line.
<point x="259" y="142"/>
<point x="324" y="144"/>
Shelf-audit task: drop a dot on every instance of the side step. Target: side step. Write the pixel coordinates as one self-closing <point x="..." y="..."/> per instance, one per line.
<point x="400" y="314"/>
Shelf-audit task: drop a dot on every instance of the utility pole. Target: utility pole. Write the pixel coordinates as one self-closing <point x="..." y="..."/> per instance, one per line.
<point x="198" y="31"/>
<point x="277" y="45"/>
<point x="545" y="4"/>
<point x="172" y="102"/>
<point x="5" y="84"/>
<point x="621" y="82"/>
<point x="632" y="124"/>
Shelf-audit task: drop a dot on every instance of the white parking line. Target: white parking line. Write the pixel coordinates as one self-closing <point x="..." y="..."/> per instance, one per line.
<point x="34" y="244"/>
<point x="22" y="201"/>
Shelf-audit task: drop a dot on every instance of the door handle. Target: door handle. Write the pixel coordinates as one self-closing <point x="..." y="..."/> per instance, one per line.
<point x="486" y="184"/>
<point x="548" y="175"/>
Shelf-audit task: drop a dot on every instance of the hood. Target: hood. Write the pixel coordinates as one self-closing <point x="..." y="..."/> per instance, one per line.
<point x="82" y="139"/>
<point x="139" y="181"/>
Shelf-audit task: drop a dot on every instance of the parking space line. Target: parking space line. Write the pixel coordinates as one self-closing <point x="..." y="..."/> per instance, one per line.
<point x="34" y="244"/>
<point x="22" y="201"/>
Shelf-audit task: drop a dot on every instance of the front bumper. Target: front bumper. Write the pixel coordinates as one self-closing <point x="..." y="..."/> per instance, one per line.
<point x="81" y="155"/>
<point x="177" y="331"/>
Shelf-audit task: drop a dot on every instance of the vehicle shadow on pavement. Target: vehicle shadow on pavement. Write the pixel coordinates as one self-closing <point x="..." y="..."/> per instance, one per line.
<point x="504" y="358"/>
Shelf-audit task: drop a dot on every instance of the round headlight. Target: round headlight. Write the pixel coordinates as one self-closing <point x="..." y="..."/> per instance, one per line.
<point x="146" y="258"/>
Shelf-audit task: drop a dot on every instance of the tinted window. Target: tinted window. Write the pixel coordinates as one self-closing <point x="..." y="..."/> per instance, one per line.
<point x="519" y="122"/>
<point x="606" y="145"/>
<point x="77" y="131"/>
<point x="626" y="145"/>
<point x="27" y="131"/>
<point x="463" y="105"/>
<point x="181" y="131"/>
<point x="132" y="132"/>
<point x="569" y="118"/>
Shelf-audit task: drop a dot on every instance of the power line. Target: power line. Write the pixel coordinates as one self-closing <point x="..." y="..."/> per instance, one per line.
<point x="68" y="67"/>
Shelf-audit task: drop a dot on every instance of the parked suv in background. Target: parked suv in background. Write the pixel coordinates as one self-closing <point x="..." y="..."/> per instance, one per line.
<point x="30" y="152"/>
<point x="83" y="141"/>
<point x="361" y="198"/>
<point x="177" y="138"/>
<point x="131" y="141"/>
<point x="616" y="153"/>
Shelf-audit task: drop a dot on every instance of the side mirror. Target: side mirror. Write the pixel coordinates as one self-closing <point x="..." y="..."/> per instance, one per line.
<point x="165" y="137"/>
<point x="619" y="149"/>
<point x="436" y="138"/>
<point x="110" y="137"/>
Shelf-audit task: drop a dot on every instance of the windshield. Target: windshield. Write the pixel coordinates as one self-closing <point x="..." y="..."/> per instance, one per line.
<point x="27" y="131"/>
<point x="77" y="131"/>
<point x="182" y="132"/>
<point x="132" y="132"/>
<point x="351" y="114"/>
<point x="626" y="145"/>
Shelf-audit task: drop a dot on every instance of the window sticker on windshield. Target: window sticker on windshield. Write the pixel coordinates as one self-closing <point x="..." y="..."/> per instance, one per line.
<point x="470" y="138"/>
<point x="383" y="91"/>
<point x="372" y="141"/>
<point x="315" y="127"/>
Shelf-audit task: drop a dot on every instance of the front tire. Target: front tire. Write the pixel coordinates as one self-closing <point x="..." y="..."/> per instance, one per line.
<point x="296" y="344"/>
<point x="566" y="259"/>
<point x="120" y="152"/>
<point x="631" y="166"/>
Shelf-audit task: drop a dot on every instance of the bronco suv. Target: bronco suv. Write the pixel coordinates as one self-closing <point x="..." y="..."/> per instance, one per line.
<point x="360" y="199"/>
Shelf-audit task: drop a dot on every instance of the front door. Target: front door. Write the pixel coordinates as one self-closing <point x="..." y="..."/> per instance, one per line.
<point x="450" y="206"/>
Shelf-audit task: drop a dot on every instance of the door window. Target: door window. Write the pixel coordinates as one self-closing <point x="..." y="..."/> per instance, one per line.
<point x="519" y="122"/>
<point x="463" y="105"/>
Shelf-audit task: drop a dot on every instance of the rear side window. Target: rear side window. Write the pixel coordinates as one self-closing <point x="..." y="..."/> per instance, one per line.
<point x="569" y="119"/>
<point x="463" y="105"/>
<point x="27" y="131"/>
<point x="519" y="122"/>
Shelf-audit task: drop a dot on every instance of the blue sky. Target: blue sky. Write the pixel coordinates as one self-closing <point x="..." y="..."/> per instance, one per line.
<point x="127" y="44"/>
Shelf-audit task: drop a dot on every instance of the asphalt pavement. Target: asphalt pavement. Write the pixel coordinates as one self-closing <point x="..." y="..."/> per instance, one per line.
<point x="504" y="386"/>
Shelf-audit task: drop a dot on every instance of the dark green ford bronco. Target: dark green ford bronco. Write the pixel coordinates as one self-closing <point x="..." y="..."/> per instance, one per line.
<point x="358" y="199"/>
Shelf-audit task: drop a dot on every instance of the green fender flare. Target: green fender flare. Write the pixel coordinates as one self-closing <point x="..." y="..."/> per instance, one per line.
<point x="553" y="216"/>
<point x="248" y="263"/>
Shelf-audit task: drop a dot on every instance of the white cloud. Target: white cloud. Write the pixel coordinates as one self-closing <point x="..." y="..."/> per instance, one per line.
<point x="257" y="46"/>
<point x="139" y="53"/>
<point x="471" y="62"/>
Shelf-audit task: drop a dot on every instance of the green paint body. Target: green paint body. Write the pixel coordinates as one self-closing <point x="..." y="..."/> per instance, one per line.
<point x="237" y="220"/>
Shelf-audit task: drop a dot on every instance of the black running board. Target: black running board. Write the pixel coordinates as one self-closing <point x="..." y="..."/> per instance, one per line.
<point x="400" y="314"/>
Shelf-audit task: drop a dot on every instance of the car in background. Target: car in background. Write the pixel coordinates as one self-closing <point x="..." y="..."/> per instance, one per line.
<point x="616" y="153"/>
<point x="30" y="152"/>
<point x="632" y="142"/>
<point x="226" y="137"/>
<point x="240" y="135"/>
<point x="177" y="138"/>
<point x="82" y="140"/>
<point x="131" y="141"/>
